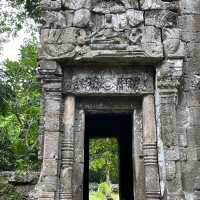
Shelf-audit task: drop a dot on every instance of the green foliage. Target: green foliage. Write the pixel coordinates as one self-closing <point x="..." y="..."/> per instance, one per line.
<point x="6" y="94"/>
<point x="104" y="159"/>
<point x="96" y="196"/>
<point x="21" y="121"/>
<point x="7" y="157"/>
<point x="14" y="14"/>
<point x="31" y="7"/>
<point x="105" y="189"/>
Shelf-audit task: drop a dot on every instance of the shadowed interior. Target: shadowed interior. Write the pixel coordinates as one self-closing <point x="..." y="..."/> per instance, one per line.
<point x="119" y="126"/>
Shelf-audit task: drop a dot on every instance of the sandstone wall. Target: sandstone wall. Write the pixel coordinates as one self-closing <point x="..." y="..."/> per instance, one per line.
<point x="188" y="113"/>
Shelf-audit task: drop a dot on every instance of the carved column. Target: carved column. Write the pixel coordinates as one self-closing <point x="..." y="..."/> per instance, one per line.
<point x="152" y="187"/>
<point x="67" y="149"/>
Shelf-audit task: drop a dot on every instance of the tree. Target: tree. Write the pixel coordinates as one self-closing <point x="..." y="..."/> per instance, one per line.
<point x="103" y="156"/>
<point x="21" y="121"/>
<point x="14" y="14"/>
<point x="6" y="94"/>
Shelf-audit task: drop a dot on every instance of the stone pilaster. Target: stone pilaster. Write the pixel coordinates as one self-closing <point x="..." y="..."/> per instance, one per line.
<point x="152" y="187"/>
<point x="50" y="74"/>
<point x="168" y="78"/>
<point x="67" y="149"/>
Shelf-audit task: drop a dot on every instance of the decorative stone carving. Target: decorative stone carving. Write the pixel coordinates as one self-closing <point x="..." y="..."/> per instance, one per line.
<point x="58" y="42"/>
<point x="161" y="18"/>
<point x="76" y="4"/>
<point x="54" y="20"/>
<point x="50" y="4"/>
<point x="173" y="46"/>
<point x="151" y="4"/>
<point x="109" y="81"/>
<point x="151" y="41"/>
<point x="168" y="76"/>
<point x="158" y="5"/>
<point x="110" y="27"/>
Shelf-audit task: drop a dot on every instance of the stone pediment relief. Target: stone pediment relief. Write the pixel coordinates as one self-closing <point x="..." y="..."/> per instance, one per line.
<point x="104" y="28"/>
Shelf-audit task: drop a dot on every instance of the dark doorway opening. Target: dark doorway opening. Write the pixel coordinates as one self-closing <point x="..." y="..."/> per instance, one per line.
<point x="117" y="126"/>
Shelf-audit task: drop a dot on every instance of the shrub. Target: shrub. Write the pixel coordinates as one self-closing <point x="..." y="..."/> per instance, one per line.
<point x="105" y="189"/>
<point x="96" y="196"/>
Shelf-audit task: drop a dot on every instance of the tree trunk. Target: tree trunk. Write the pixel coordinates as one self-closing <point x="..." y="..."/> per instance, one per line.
<point x="108" y="177"/>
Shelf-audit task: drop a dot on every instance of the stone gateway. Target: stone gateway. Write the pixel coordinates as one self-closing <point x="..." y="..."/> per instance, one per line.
<point x="121" y="59"/>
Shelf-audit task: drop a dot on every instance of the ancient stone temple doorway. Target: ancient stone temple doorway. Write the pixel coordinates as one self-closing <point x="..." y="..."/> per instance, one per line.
<point x="112" y="125"/>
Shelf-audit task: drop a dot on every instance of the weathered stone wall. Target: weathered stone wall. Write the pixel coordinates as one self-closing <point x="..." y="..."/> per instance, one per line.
<point x="188" y="113"/>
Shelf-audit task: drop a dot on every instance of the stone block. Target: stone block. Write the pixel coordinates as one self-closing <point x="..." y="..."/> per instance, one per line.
<point x="161" y="18"/>
<point x="193" y="136"/>
<point x="190" y="173"/>
<point x="189" y="23"/>
<point x="151" y="41"/>
<point x="69" y="16"/>
<point x="76" y="4"/>
<point x="151" y="4"/>
<point x="182" y="117"/>
<point x="194" y="113"/>
<point x="172" y="153"/>
<point x="50" y="4"/>
<point x="190" y="7"/>
<point x="173" y="47"/>
<point x="52" y="104"/>
<point x="52" y="121"/>
<point x="191" y="152"/>
<point x="50" y="183"/>
<point x="194" y="98"/>
<point x="53" y="19"/>
<point x="170" y="170"/>
<point x="50" y="167"/>
<point x="52" y="86"/>
<point x="58" y="36"/>
<point x="135" y="17"/>
<point x="81" y="18"/>
<point x="51" y="145"/>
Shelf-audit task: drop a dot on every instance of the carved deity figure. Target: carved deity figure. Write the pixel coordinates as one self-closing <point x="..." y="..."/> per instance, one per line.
<point x="114" y="20"/>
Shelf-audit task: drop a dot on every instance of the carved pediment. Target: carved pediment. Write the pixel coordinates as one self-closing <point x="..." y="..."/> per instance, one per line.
<point x="86" y="29"/>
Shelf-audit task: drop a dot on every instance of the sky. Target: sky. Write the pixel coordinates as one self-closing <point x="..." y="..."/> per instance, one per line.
<point x="10" y="49"/>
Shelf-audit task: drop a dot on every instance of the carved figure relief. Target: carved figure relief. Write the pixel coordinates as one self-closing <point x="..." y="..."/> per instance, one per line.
<point x="114" y="25"/>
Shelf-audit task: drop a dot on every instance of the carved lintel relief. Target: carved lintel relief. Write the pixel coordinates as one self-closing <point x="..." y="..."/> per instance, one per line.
<point x="108" y="81"/>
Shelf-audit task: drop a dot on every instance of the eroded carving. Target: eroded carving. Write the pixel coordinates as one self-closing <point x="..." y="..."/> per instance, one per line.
<point x="106" y="25"/>
<point x="109" y="82"/>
